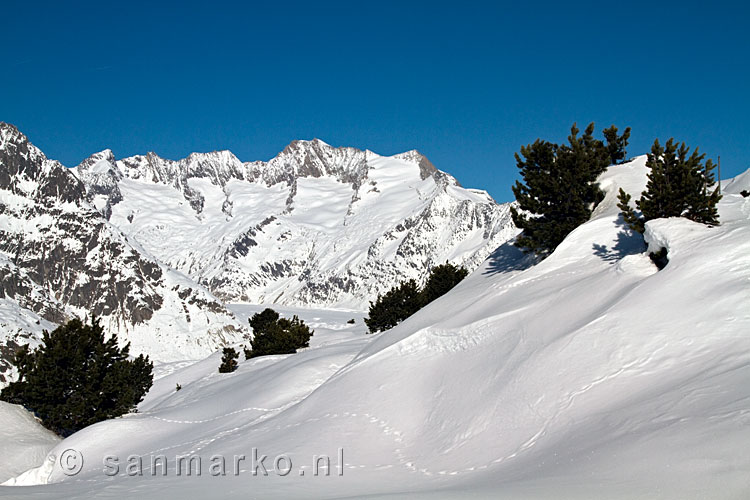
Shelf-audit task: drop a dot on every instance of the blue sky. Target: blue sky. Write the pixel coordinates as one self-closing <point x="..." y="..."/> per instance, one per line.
<point x="466" y="83"/>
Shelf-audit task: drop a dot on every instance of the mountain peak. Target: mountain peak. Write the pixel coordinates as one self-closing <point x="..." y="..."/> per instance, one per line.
<point x="98" y="161"/>
<point x="7" y="129"/>
<point x="426" y="168"/>
<point x="9" y="134"/>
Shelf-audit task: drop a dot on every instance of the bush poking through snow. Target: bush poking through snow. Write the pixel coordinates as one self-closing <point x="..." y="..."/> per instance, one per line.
<point x="394" y="306"/>
<point x="76" y="378"/>
<point x="442" y="278"/>
<point x="228" y="360"/>
<point x="275" y="335"/>
<point x="660" y="258"/>
<point x="678" y="186"/>
<point x="404" y="300"/>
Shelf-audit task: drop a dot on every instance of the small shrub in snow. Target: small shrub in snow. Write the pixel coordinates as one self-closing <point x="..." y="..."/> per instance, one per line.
<point x="228" y="360"/>
<point x="275" y="335"/>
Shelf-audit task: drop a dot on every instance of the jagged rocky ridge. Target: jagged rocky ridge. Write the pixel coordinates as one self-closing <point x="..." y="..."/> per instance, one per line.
<point x="59" y="257"/>
<point x="314" y="226"/>
<point x="155" y="247"/>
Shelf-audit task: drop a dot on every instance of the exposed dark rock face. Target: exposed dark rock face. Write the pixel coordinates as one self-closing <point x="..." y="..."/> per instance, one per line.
<point x="60" y="257"/>
<point x="73" y="252"/>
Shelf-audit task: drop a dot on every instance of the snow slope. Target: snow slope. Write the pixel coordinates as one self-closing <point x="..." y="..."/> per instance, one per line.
<point x="588" y="375"/>
<point x="25" y="442"/>
<point x="736" y="184"/>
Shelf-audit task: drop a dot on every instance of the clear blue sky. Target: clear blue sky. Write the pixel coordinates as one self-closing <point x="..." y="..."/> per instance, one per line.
<point x="466" y="83"/>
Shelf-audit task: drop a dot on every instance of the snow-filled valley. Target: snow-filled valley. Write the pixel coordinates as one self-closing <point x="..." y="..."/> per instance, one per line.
<point x="590" y="374"/>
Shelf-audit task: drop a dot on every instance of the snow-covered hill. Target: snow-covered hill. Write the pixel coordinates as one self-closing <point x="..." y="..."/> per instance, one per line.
<point x="588" y="375"/>
<point x="314" y="226"/>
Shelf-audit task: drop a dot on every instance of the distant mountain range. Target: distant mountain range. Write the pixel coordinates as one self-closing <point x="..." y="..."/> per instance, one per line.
<point x="155" y="247"/>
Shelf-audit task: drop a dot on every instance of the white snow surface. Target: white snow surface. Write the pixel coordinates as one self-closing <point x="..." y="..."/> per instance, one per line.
<point x="588" y="375"/>
<point x="736" y="184"/>
<point x="25" y="442"/>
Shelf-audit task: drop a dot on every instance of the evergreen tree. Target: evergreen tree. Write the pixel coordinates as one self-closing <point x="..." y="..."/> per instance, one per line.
<point x="559" y="190"/>
<point x="394" y="306"/>
<point x="228" y="360"/>
<point x="76" y="378"/>
<point x="262" y="320"/>
<point x="275" y="335"/>
<point x="679" y="185"/>
<point x="616" y="145"/>
<point x="442" y="278"/>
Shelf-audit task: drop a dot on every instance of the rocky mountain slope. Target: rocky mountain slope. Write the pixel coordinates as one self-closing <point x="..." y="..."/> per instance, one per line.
<point x="155" y="247"/>
<point x="60" y="257"/>
<point x="315" y="226"/>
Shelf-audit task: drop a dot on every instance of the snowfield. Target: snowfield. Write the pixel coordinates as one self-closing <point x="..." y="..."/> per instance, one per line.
<point x="588" y="375"/>
<point x="25" y="442"/>
<point x="316" y="226"/>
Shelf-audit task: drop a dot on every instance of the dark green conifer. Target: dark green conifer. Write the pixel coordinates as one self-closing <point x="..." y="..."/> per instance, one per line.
<point x="616" y="145"/>
<point x="679" y="185"/>
<point x="394" y="306"/>
<point x="228" y="360"/>
<point x="559" y="190"/>
<point x="76" y="378"/>
<point x="275" y="335"/>
<point x="442" y="278"/>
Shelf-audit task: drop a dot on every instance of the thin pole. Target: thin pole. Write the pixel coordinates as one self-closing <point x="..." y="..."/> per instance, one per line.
<point x="719" y="174"/>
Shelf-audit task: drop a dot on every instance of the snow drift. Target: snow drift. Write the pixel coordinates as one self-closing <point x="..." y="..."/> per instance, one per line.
<point x="588" y="375"/>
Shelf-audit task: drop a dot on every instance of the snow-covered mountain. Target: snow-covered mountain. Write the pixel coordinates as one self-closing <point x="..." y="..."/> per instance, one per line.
<point x="589" y="375"/>
<point x="314" y="226"/>
<point x="154" y="247"/>
<point x="60" y="257"/>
